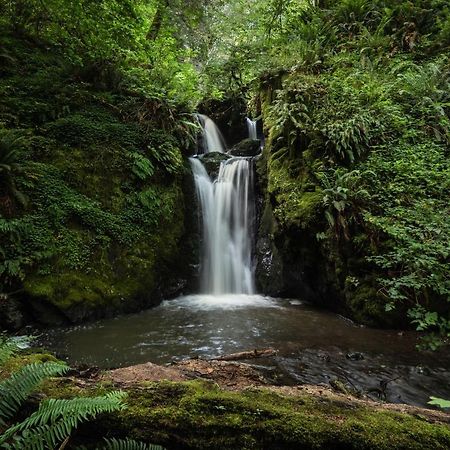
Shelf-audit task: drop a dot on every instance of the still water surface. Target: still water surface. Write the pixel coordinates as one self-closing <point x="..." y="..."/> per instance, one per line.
<point x="314" y="346"/>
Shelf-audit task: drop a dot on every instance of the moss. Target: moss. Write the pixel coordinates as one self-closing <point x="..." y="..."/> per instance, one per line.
<point x="366" y="306"/>
<point x="101" y="238"/>
<point x="68" y="289"/>
<point x="200" y="415"/>
<point x="17" y="362"/>
<point x="112" y="276"/>
<point x="297" y="199"/>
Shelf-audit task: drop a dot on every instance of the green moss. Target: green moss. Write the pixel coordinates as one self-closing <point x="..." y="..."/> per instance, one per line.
<point x="200" y="415"/>
<point x="367" y="306"/>
<point x="294" y="205"/>
<point x="68" y="289"/>
<point x="15" y="363"/>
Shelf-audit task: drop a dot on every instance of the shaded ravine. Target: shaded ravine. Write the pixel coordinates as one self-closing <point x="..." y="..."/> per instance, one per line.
<point x="314" y="346"/>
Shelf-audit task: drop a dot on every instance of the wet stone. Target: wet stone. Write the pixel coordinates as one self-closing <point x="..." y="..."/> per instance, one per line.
<point x="355" y="356"/>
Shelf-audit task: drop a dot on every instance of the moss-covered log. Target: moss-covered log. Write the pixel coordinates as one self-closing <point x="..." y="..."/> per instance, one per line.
<point x="199" y="415"/>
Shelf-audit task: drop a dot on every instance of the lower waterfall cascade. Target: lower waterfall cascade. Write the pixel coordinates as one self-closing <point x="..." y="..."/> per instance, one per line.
<point x="227" y="213"/>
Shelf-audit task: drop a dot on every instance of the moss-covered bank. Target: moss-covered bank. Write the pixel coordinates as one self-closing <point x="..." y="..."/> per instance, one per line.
<point x="96" y="221"/>
<point x="353" y="188"/>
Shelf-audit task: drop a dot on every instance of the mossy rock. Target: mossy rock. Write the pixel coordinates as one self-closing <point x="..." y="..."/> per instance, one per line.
<point x="246" y="148"/>
<point x="212" y="162"/>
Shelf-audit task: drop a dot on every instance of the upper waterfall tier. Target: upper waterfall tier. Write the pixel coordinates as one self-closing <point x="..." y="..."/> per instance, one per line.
<point x="251" y="127"/>
<point x="212" y="139"/>
<point x="227" y="215"/>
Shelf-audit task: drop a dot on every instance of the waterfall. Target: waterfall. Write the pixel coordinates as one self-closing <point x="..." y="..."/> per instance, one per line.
<point x="227" y="216"/>
<point x="213" y="140"/>
<point x="251" y="126"/>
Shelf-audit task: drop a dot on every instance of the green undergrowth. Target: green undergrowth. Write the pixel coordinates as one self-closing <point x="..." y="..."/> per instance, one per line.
<point x="101" y="170"/>
<point x="357" y="157"/>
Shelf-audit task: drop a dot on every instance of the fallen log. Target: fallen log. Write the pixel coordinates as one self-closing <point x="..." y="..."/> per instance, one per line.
<point x="263" y="353"/>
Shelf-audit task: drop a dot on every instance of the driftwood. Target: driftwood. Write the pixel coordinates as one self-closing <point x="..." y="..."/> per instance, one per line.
<point x="248" y="355"/>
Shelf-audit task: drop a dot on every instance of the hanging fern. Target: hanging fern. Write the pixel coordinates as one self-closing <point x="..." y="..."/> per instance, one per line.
<point x="19" y="386"/>
<point x="55" y="420"/>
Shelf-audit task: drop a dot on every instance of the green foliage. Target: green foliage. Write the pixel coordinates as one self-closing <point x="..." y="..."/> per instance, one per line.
<point x="10" y="148"/>
<point x="439" y="402"/>
<point x="55" y="420"/>
<point x="142" y="166"/>
<point x="87" y="162"/>
<point x="116" y="52"/>
<point x="7" y="349"/>
<point x="18" y="387"/>
<point x="91" y="127"/>
<point x="343" y="200"/>
<point x="368" y="124"/>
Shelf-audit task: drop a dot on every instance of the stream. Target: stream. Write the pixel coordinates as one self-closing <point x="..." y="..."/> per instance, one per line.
<point x="315" y="346"/>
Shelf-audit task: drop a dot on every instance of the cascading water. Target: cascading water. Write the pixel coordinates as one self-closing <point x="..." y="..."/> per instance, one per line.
<point x="251" y="126"/>
<point x="227" y="215"/>
<point x="213" y="140"/>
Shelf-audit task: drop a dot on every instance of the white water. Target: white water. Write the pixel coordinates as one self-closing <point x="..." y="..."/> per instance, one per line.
<point x="213" y="140"/>
<point x="227" y="213"/>
<point x="251" y="126"/>
<point x="207" y="302"/>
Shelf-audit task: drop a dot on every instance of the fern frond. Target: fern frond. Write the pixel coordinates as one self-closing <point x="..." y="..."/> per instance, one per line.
<point x="7" y="349"/>
<point x="129" y="444"/>
<point x="57" y="418"/>
<point x="19" y="386"/>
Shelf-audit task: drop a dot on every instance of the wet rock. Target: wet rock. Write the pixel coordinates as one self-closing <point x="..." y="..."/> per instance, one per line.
<point x="12" y="316"/>
<point x="212" y="162"/>
<point x="247" y="147"/>
<point x="269" y="270"/>
<point x="355" y="356"/>
<point x="422" y="370"/>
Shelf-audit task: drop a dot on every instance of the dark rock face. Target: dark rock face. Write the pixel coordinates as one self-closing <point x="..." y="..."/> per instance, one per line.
<point x="246" y="148"/>
<point x="12" y="316"/>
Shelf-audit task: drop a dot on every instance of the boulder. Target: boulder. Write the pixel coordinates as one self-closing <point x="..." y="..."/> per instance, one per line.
<point x="212" y="162"/>
<point x="247" y="147"/>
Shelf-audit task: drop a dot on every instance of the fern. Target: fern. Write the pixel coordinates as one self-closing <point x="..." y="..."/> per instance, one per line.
<point x="55" y="420"/>
<point x="142" y="167"/>
<point x="19" y="386"/>
<point x="7" y="349"/>
<point x="128" y="444"/>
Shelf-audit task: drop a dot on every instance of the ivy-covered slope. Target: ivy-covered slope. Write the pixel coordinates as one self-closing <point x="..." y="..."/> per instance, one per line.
<point x="92" y="210"/>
